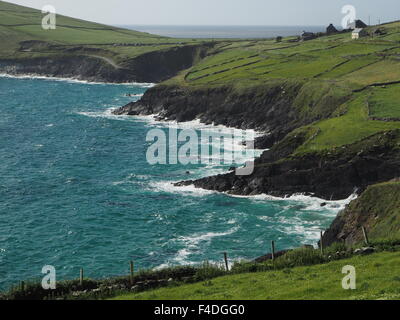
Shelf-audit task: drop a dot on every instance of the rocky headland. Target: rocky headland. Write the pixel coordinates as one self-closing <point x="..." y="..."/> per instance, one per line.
<point x="276" y="110"/>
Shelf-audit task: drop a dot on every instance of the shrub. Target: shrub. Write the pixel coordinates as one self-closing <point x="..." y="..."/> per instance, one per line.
<point x="208" y="271"/>
<point x="299" y="257"/>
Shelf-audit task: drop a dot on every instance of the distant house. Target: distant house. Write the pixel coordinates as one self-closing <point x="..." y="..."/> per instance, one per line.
<point x="331" y="29"/>
<point x="379" y="32"/>
<point x="357" y="24"/>
<point x="307" y="36"/>
<point x="358" y="33"/>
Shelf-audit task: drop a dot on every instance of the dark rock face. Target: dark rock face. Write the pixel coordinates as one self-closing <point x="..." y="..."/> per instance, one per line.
<point x="329" y="176"/>
<point x="161" y="65"/>
<point x="264" y="108"/>
<point x="150" y="67"/>
<point x="77" y="67"/>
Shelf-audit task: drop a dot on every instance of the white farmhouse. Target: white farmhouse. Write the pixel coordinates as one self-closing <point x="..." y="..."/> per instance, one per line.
<point x="358" y="33"/>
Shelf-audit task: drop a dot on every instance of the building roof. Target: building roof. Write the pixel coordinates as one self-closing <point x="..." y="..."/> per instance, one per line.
<point x="305" y="34"/>
<point x="331" y="27"/>
<point x="357" y="24"/>
<point x="358" y="30"/>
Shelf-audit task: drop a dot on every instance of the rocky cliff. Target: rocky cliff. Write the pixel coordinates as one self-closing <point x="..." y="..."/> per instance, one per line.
<point x="330" y="175"/>
<point x="79" y="63"/>
<point x="274" y="107"/>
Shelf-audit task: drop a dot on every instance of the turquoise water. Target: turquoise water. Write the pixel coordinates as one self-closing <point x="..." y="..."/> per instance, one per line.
<point x="76" y="191"/>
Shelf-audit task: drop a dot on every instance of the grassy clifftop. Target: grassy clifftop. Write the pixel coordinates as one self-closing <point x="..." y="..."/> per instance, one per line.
<point x="336" y="58"/>
<point x="366" y="71"/>
<point x="21" y="24"/>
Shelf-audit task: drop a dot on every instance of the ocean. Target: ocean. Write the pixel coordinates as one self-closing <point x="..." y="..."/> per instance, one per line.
<point x="76" y="191"/>
<point x="225" y="32"/>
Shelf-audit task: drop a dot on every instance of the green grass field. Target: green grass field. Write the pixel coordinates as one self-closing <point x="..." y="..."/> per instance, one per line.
<point x="335" y="61"/>
<point x="384" y="102"/>
<point x="19" y="24"/>
<point x="353" y="126"/>
<point x="332" y="61"/>
<point x="358" y="63"/>
<point x="377" y="277"/>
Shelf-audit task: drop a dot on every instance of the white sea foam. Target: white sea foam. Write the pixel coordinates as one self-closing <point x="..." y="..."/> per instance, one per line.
<point x="306" y="231"/>
<point x="196" y="124"/>
<point x="191" y="244"/>
<point x="137" y="95"/>
<point x="73" y="80"/>
<point x="310" y="203"/>
<point x="195" y="239"/>
<point x="308" y="234"/>
<point x="234" y="151"/>
<point x="107" y="114"/>
<point x="168" y="186"/>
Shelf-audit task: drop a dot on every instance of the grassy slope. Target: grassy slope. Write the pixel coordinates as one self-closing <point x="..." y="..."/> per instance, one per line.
<point x="386" y="211"/>
<point x="353" y="126"/>
<point x="384" y="102"/>
<point x="378" y="209"/>
<point x="337" y="62"/>
<point x="19" y="23"/>
<point x="378" y="277"/>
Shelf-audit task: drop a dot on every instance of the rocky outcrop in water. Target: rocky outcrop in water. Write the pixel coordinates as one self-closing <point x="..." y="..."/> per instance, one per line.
<point x="330" y="175"/>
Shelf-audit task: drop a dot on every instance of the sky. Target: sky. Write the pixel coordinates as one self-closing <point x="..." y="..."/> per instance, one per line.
<point x="220" y="12"/>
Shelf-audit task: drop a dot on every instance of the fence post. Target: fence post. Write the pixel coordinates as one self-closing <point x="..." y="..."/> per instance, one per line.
<point x="321" y="244"/>
<point x="365" y="236"/>
<point x="131" y="272"/>
<point x="81" y="277"/>
<point x="226" y="261"/>
<point x="273" y="250"/>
